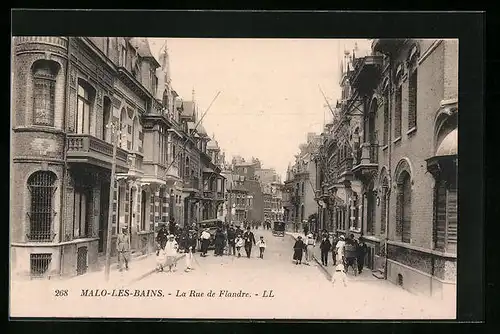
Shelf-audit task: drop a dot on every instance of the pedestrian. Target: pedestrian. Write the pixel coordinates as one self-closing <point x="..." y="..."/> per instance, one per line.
<point x="161" y="236"/>
<point x="239" y="243"/>
<point x="249" y="241"/>
<point x="205" y="240"/>
<point x="298" y="249"/>
<point x="325" y="247"/>
<point x="123" y="248"/>
<point x="339" y="250"/>
<point x="350" y="255"/>
<point x="171" y="252"/>
<point x="309" y="249"/>
<point x="160" y="259"/>
<point x="306" y="229"/>
<point x="361" y="252"/>
<point x="189" y="258"/>
<point x="231" y="236"/>
<point x="339" y="274"/>
<point x="171" y="225"/>
<point x="191" y="240"/>
<point x="219" y="242"/>
<point x="262" y="247"/>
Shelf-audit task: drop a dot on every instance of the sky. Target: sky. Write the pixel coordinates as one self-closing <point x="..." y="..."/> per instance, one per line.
<point x="269" y="90"/>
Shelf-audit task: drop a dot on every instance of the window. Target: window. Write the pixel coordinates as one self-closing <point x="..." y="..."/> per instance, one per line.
<point x="386" y="116"/>
<point x="106" y="119"/>
<point x="445" y="217"/>
<point x="39" y="264"/>
<point x="403" y="207"/>
<point x="44" y="83"/>
<point x="84" y="109"/>
<point x="41" y="213"/>
<point x="412" y="100"/>
<point x="83" y="212"/>
<point x="397" y="113"/>
<point x="186" y="168"/>
<point x="133" y="130"/>
<point x="370" y="208"/>
<point x="303" y="189"/>
<point x="123" y="119"/>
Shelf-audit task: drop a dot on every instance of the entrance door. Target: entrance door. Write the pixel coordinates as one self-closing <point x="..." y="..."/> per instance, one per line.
<point x="103" y="217"/>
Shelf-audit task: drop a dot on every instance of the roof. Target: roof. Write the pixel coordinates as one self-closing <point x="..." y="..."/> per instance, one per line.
<point x="212" y="145"/>
<point x="449" y="145"/>
<point x="189" y="110"/>
<point x="201" y="130"/>
<point x="142" y="47"/>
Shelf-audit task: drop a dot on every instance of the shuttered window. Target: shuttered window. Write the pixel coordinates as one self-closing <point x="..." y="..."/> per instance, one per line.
<point x="406" y="214"/>
<point x="397" y="113"/>
<point x="445" y="217"/>
<point x="386" y="117"/>
<point x="412" y="100"/>
<point x="383" y="210"/>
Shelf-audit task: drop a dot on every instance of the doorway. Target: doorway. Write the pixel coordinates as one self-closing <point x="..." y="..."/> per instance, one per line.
<point x="103" y="217"/>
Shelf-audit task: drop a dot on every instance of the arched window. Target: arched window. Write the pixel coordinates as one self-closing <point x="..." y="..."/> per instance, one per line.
<point x="86" y="94"/>
<point x="403" y="207"/>
<point x="135" y="133"/>
<point x="41" y="213"/>
<point x="383" y="204"/>
<point x="106" y="119"/>
<point x="186" y="168"/>
<point x="44" y="87"/>
<point x="412" y="86"/>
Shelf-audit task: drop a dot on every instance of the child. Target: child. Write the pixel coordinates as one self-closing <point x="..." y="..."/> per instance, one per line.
<point x="339" y="273"/>
<point x="262" y="246"/>
<point x="160" y="259"/>
<point x="239" y="244"/>
<point x="189" y="256"/>
<point x="171" y="252"/>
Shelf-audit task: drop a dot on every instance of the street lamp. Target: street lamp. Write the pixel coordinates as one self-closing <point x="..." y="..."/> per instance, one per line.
<point x="114" y="137"/>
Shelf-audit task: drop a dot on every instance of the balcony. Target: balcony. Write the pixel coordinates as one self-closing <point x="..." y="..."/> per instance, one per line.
<point x="344" y="170"/>
<point x="367" y="73"/>
<point x="135" y="164"/>
<point x="387" y="45"/>
<point x="91" y="150"/>
<point x="367" y="164"/>
<point x="208" y="194"/>
<point x="191" y="185"/>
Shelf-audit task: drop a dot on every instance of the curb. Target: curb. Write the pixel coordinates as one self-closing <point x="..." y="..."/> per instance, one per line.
<point x="325" y="271"/>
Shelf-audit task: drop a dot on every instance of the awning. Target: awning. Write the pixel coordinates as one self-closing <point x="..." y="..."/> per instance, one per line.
<point x="208" y="170"/>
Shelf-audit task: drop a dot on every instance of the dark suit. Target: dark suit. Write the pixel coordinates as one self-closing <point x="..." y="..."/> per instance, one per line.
<point x="249" y="241"/>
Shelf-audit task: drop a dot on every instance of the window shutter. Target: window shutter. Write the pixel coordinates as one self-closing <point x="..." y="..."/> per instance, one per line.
<point x="397" y="114"/>
<point x="383" y="210"/>
<point x="452" y="219"/>
<point x="440" y="224"/>
<point x="412" y="100"/>
<point x="406" y="235"/>
<point x="399" y="212"/>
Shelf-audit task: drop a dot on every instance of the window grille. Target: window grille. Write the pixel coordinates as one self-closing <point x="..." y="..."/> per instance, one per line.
<point x="41" y="214"/>
<point x="44" y="101"/>
<point x="39" y="264"/>
<point x="81" y="261"/>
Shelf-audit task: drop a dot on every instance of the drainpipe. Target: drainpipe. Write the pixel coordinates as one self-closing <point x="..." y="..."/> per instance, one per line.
<point x="65" y="162"/>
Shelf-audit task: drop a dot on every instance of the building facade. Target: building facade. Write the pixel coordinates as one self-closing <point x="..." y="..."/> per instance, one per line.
<point x="73" y="98"/>
<point x="299" y="191"/>
<point x="402" y="181"/>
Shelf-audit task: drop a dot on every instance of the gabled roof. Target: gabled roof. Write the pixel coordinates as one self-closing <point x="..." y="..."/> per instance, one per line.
<point x="141" y="44"/>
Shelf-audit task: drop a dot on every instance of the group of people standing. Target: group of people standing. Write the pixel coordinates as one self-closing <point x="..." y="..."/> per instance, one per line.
<point x="235" y="239"/>
<point x="302" y="247"/>
<point x="170" y="239"/>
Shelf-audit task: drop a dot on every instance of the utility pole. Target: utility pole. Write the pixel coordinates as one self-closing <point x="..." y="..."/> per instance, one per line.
<point x="114" y="134"/>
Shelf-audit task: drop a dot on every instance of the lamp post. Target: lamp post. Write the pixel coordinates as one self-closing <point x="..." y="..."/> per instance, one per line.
<point x="114" y="138"/>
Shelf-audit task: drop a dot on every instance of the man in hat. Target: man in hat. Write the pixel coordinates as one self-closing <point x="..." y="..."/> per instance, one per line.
<point x="123" y="248"/>
<point x="171" y="225"/>
<point x="231" y="237"/>
<point x="161" y="237"/>
<point x="249" y="239"/>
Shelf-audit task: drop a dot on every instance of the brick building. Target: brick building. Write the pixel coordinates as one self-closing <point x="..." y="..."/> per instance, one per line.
<point x="404" y="161"/>
<point x="67" y="91"/>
